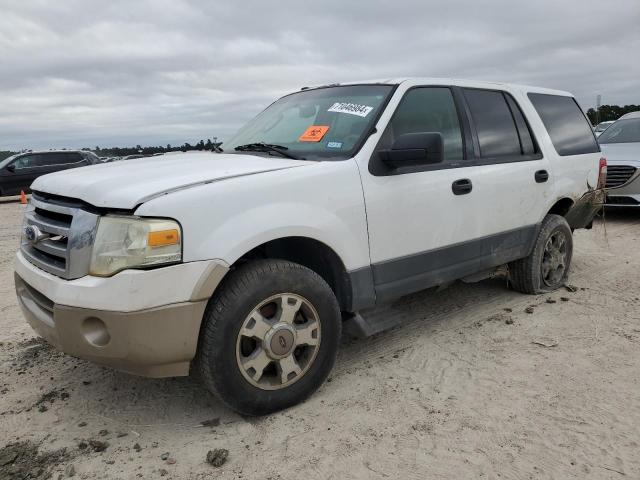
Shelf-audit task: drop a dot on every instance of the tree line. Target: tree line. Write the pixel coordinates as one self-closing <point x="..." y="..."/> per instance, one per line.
<point x="124" y="151"/>
<point x="607" y="113"/>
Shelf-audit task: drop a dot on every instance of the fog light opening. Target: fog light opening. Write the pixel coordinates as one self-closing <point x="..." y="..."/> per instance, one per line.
<point x="95" y="332"/>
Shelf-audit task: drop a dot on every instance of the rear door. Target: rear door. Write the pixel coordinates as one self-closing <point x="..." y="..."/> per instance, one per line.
<point x="516" y="180"/>
<point x="56" y="161"/>
<point x="73" y="160"/>
<point x="476" y="210"/>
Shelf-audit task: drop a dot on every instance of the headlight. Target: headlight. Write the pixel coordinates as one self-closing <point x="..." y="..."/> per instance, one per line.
<point x="126" y="242"/>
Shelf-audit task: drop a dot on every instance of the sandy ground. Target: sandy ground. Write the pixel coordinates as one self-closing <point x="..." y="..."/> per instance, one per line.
<point x="471" y="386"/>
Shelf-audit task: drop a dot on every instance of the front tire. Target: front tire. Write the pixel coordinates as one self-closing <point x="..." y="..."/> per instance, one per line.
<point x="270" y="336"/>
<point x="547" y="267"/>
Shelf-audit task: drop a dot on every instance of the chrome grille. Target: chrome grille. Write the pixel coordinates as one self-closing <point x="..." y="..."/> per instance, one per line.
<point x="68" y="232"/>
<point x="618" y="175"/>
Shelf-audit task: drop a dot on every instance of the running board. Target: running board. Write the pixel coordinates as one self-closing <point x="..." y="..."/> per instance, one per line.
<point x="371" y="321"/>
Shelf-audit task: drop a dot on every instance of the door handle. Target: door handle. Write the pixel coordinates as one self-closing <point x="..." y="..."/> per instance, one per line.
<point x="541" y="176"/>
<point x="462" y="186"/>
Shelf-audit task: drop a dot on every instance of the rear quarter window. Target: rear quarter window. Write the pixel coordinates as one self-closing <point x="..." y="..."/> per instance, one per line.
<point x="568" y="127"/>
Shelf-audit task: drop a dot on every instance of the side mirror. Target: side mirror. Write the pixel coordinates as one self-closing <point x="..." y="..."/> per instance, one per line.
<point x="11" y="168"/>
<point x="414" y="149"/>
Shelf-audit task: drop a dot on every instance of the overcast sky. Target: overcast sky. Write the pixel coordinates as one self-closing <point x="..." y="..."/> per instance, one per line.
<point x="76" y="73"/>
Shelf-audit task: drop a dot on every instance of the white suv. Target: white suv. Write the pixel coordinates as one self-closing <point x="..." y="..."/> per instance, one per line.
<point x="245" y="263"/>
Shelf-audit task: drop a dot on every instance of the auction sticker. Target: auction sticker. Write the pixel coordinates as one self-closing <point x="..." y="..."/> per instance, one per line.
<point x="314" y="133"/>
<point x="350" y="108"/>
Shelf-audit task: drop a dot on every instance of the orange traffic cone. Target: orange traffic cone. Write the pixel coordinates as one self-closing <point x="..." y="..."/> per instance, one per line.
<point x="23" y="198"/>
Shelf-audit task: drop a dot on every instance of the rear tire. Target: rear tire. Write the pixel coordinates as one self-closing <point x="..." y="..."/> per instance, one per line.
<point x="270" y="336"/>
<point x="547" y="267"/>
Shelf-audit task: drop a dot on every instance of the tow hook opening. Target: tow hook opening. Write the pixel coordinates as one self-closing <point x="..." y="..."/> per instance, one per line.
<point x="95" y="332"/>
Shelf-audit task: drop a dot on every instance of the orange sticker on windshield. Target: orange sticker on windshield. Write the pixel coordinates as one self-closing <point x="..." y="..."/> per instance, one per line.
<point x="314" y="133"/>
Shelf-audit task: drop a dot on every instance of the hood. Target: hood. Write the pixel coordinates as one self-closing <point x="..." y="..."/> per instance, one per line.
<point x="128" y="183"/>
<point x="621" y="151"/>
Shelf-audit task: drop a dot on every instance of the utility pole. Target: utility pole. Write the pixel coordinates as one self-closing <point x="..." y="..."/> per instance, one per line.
<point x="598" y="103"/>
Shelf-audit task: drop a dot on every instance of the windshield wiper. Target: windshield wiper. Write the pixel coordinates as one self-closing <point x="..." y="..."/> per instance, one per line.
<point x="266" y="147"/>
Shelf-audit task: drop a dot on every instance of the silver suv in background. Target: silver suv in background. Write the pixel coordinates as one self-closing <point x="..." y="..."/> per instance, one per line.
<point x="620" y="144"/>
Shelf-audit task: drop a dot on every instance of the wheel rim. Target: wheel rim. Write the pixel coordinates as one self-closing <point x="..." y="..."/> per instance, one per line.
<point x="278" y="341"/>
<point x="554" y="259"/>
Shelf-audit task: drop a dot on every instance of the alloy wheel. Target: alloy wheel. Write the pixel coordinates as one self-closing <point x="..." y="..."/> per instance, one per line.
<point x="278" y="341"/>
<point x="554" y="259"/>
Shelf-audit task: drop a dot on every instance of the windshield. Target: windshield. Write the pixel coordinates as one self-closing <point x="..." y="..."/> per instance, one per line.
<point x="623" y="131"/>
<point x="603" y="126"/>
<point x="321" y="123"/>
<point x="7" y="161"/>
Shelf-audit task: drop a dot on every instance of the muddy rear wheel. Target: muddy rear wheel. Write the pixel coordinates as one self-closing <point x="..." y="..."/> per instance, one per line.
<point x="547" y="267"/>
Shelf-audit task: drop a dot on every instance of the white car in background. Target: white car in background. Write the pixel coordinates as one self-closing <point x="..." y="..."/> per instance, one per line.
<point x="602" y="126"/>
<point x="630" y="115"/>
<point x="620" y="144"/>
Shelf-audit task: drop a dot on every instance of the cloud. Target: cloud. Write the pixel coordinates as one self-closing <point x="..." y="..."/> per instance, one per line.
<point x="85" y="73"/>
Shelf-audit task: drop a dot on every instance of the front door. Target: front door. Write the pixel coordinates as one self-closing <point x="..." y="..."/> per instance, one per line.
<point x="20" y="174"/>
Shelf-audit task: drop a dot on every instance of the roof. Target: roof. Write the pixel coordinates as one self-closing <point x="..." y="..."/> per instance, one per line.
<point x="454" y="81"/>
<point x="51" y="151"/>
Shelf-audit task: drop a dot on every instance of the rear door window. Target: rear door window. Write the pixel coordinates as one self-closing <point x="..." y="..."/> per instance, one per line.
<point x="49" y="159"/>
<point x="59" y="158"/>
<point x="567" y="125"/>
<point x="494" y="123"/>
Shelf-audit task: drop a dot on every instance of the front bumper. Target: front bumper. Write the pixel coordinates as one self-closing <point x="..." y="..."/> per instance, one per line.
<point x="143" y="322"/>
<point x="627" y="195"/>
<point x="627" y="201"/>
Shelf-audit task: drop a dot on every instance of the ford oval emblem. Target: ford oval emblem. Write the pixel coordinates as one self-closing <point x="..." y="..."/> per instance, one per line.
<point x="33" y="234"/>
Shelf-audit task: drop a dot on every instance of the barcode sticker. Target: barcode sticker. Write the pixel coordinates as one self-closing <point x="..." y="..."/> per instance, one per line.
<point x="350" y="108"/>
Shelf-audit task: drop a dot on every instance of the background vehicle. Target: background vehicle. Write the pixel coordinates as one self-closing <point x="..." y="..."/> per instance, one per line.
<point x="601" y="127"/>
<point x="620" y="143"/>
<point x="630" y="115"/>
<point x="19" y="171"/>
<point x="332" y="201"/>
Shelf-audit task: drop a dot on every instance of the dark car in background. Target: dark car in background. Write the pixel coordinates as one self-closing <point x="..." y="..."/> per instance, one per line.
<point x="18" y="172"/>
